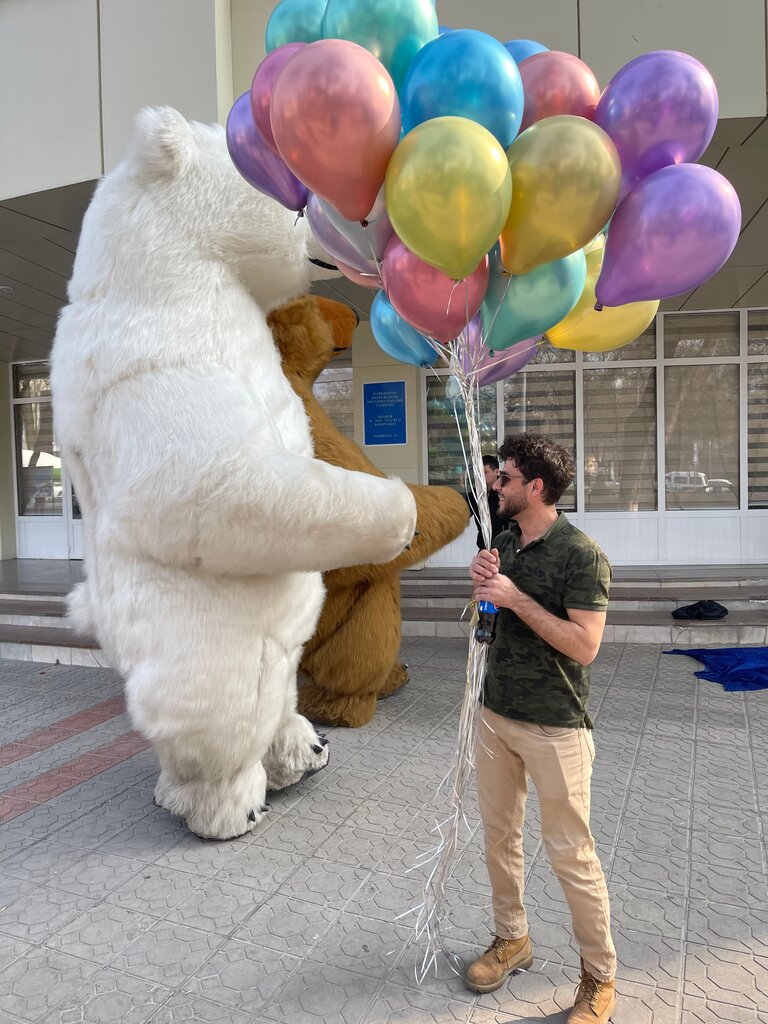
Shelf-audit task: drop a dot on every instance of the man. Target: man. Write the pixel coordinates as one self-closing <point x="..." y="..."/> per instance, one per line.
<point x="550" y="583"/>
<point x="491" y="470"/>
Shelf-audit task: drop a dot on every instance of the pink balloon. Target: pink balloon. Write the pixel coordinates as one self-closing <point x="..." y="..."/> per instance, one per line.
<point x="555" y="82"/>
<point x="357" y="277"/>
<point x="336" y="122"/>
<point x="264" y="82"/>
<point x="428" y="299"/>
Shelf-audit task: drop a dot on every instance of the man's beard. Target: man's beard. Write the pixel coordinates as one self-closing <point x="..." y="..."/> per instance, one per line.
<point x="507" y="512"/>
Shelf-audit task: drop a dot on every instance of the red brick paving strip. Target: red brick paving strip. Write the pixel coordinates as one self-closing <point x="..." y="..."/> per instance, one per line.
<point x="10" y="753"/>
<point x="30" y="794"/>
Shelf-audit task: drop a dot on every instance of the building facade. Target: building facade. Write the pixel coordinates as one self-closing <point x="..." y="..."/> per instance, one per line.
<point x="670" y="433"/>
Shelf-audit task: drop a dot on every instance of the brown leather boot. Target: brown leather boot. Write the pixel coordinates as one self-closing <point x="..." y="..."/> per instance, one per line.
<point x="503" y="956"/>
<point x="595" y="1000"/>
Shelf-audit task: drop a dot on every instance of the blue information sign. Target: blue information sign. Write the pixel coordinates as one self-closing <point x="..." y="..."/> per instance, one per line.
<point x="384" y="420"/>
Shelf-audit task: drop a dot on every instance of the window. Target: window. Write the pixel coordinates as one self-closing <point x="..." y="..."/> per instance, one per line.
<point x="38" y="462"/>
<point x="643" y="347"/>
<point x="543" y="402"/>
<point x="444" y="452"/>
<point x="333" y="390"/>
<point x="692" y="335"/>
<point x="702" y="435"/>
<point x="757" y="332"/>
<point x="757" y="434"/>
<point x="620" y="439"/>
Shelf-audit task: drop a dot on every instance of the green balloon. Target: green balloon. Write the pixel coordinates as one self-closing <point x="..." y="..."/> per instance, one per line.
<point x="393" y="30"/>
<point x="295" y="21"/>
<point x="516" y="308"/>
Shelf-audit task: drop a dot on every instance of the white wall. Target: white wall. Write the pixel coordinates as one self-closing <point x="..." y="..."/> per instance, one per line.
<point x="74" y="73"/>
<point x="50" y="132"/>
<point x="7" y="505"/>
<point x="729" y="38"/>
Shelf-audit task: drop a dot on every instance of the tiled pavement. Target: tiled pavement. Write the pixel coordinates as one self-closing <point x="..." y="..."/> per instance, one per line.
<point x="111" y="912"/>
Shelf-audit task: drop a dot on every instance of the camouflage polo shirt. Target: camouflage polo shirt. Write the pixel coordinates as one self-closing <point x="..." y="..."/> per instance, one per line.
<point x="526" y="678"/>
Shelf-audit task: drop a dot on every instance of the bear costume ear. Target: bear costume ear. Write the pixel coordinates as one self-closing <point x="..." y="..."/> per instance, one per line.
<point x="162" y="144"/>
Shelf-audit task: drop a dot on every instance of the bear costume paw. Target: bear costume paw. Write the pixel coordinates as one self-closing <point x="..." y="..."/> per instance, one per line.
<point x="221" y="809"/>
<point x="296" y="751"/>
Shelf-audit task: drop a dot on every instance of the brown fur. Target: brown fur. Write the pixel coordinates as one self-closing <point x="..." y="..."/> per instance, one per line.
<point x="352" y="660"/>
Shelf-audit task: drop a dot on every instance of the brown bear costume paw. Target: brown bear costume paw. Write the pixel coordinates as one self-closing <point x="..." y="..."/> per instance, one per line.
<point x="397" y="678"/>
<point x="351" y="710"/>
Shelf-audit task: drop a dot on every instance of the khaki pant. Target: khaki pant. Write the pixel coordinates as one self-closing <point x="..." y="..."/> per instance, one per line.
<point x="559" y="761"/>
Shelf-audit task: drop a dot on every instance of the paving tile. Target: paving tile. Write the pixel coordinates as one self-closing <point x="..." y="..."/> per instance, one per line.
<point x="168" y="953"/>
<point x="295" y="833"/>
<point x="358" y="847"/>
<point x="726" y="976"/>
<point x="40" y="913"/>
<point x="397" y="1005"/>
<point x="653" y="867"/>
<point x="217" y="906"/>
<point x="388" y="898"/>
<point x="154" y="890"/>
<point x="11" y="949"/>
<point x="242" y="976"/>
<point x="80" y="872"/>
<point x="703" y="1011"/>
<point x="100" y="933"/>
<point x="187" y="1008"/>
<point x="260" y="867"/>
<point x="726" y="926"/>
<point x="730" y="869"/>
<point x="316" y="993"/>
<point x="198" y="856"/>
<point x="325" y="883"/>
<point x="39" y="982"/>
<point x="111" y="998"/>
<point x="287" y="925"/>
<point x="368" y="947"/>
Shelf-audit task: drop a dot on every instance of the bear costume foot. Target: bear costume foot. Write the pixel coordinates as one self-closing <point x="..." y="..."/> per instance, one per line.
<point x="296" y="751"/>
<point x="396" y="679"/>
<point x="351" y="710"/>
<point x="222" y="809"/>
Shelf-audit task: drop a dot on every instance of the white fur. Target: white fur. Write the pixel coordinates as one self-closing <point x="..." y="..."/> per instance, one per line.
<point x="207" y="520"/>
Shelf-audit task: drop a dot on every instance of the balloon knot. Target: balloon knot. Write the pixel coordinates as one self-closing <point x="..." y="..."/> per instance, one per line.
<point x="364" y="223"/>
<point x="598" y="307"/>
<point x="491" y="353"/>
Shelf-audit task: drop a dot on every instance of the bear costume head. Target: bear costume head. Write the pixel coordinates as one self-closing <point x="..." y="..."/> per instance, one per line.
<point x="178" y="187"/>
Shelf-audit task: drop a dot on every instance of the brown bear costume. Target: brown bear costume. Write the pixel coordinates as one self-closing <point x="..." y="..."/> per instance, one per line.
<point x="352" y="660"/>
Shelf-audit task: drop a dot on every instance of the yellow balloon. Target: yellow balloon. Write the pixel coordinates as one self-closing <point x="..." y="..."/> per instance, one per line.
<point x="565" y="182"/>
<point x="448" y="189"/>
<point x="587" y="330"/>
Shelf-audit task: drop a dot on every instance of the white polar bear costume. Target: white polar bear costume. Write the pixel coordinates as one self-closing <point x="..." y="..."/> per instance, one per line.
<point x="207" y="520"/>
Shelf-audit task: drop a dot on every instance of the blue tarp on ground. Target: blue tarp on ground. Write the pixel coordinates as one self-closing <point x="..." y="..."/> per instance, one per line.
<point x="735" y="668"/>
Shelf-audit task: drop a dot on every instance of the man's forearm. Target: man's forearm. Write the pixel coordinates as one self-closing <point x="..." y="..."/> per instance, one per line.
<point x="565" y="636"/>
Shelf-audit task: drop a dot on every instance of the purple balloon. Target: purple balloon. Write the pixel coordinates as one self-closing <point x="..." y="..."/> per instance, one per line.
<point x="659" y="109"/>
<point x="255" y="160"/>
<point x="672" y="232"/>
<point x="261" y="88"/>
<point x="474" y="355"/>
<point x="332" y="240"/>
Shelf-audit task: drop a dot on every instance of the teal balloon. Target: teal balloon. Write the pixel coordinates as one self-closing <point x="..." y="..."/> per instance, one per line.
<point x="396" y="336"/>
<point x="516" y="308"/>
<point x="295" y="21"/>
<point x="469" y="74"/>
<point x="519" y="49"/>
<point x="393" y="30"/>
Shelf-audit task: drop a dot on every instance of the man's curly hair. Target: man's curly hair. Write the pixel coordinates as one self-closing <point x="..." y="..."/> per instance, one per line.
<point x="539" y="457"/>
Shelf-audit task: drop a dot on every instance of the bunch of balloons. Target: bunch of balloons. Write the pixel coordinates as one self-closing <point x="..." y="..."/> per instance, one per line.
<point x="489" y="192"/>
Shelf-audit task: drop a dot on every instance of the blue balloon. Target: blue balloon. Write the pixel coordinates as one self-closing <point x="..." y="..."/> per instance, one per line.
<point x="465" y="73"/>
<point x="517" y="308"/>
<point x="295" y="21"/>
<point x="519" y="49"/>
<point x="442" y="29"/>
<point x="396" y="336"/>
